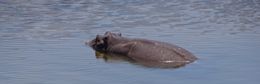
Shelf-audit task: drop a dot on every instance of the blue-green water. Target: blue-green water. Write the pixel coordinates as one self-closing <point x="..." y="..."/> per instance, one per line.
<point x="42" y="41"/>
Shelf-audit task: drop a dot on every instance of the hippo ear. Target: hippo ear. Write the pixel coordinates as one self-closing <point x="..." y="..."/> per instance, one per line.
<point x="97" y="38"/>
<point x="108" y="33"/>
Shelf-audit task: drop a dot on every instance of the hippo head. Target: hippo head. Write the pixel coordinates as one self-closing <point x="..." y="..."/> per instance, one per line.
<point x="102" y="42"/>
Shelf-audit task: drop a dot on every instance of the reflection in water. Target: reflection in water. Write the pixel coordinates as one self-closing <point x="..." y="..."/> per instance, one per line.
<point x="111" y="58"/>
<point x="108" y="57"/>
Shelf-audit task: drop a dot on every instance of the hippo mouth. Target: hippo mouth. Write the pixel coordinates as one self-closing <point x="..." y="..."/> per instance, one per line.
<point x="95" y="46"/>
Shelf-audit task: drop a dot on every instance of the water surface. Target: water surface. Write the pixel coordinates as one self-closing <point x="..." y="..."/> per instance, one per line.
<point x="42" y="41"/>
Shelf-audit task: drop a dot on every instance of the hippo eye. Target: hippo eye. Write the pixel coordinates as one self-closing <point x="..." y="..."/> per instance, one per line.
<point x="97" y="41"/>
<point x="105" y="39"/>
<point x="119" y="34"/>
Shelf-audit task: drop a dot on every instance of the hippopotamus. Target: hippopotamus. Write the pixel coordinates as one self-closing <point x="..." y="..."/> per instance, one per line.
<point x="144" y="51"/>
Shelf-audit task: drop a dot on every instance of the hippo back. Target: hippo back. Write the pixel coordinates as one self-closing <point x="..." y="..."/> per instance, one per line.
<point x="149" y="50"/>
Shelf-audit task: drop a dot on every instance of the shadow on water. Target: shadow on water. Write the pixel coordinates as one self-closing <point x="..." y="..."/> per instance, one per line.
<point x="114" y="58"/>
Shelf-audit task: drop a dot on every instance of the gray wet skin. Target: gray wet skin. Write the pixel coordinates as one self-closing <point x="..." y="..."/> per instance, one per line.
<point x="141" y="50"/>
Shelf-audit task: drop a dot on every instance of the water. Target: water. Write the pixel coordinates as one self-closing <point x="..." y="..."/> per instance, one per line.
<point x="42" y="41"/>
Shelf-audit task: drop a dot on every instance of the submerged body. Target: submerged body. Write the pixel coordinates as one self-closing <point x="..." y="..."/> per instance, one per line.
<point x="141" y="50"/>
